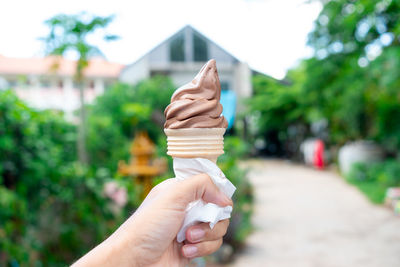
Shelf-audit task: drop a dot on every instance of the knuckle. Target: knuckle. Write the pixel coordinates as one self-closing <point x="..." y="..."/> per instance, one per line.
<point x="226" y="223"/>
<point x="218" y="244"/>
<point x="205" y="177"/>
<point x="208" y="249"/>
<point x="214" y="246"/>
<point x="223" y="227"/>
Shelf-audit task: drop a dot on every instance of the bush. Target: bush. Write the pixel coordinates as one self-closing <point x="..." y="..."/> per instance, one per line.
<point x="278" y="106"/>
<point x="374" y="179"/>
<point x="52" y="210"/>
<point x="354" y="88"/>
<point x="122" y="111"/>
<point x="240" y="225"/>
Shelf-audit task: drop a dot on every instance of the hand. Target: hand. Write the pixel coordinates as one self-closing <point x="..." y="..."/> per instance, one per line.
<point x="148" y="237"/>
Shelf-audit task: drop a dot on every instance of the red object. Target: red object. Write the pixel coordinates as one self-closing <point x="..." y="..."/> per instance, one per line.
<point x="319" y="155"/>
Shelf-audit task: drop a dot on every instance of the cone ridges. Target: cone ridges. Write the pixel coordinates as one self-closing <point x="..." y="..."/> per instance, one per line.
<point x="195" y="142"/>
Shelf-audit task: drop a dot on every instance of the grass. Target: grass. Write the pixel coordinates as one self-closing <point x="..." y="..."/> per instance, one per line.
<point x="374" y="191"/>
<point x="374" y="179"/>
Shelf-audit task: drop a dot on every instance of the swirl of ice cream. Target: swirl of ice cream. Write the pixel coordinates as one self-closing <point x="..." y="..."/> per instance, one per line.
<point x="196" y="104"/>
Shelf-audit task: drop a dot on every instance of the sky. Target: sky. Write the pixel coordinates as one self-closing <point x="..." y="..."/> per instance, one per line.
<point x="270" y="35"/>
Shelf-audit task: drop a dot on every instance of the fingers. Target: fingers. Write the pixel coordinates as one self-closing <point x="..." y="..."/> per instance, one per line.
<point x="200" y="186"/>
<point x="201" y="249"/>
<point x="203" y="232"/>
<point x="204" y="240"/>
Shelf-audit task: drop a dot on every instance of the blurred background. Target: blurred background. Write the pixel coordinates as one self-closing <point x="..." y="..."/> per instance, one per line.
<point x="311" y="91"/>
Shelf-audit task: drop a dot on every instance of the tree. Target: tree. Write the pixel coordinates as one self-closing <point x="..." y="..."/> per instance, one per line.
<point x="69" y="33"/>
<point x="122" y="111"/>
<point x="353" y="79"/>
<point x="278" y="106"/>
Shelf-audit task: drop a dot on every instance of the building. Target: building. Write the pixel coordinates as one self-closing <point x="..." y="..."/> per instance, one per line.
<point x="182" y="55"/>
<point x="47" y="83"/>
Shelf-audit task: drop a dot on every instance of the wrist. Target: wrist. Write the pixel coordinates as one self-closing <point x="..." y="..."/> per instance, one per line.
<point x="124" y="245"/>
<point x="116" y="250"/>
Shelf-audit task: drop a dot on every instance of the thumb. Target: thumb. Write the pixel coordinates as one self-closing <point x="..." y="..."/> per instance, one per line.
<point x="200" y="187"/>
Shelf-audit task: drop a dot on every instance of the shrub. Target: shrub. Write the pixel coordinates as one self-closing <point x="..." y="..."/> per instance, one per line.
<point x="52" y="210"/>
<point x="279" y="112"/>
<point x="374" y="179"/>
<point x="122" y="111"/>
<point x="240" y="225"/>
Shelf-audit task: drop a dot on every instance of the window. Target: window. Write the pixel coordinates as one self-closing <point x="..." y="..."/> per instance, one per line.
<point x="108" y="84"/>
<point x="199" y="48"/>
<point x="177" y="49"/>
<point x="91" y="84"/>
<point x="44" y="83"/>
<point x="12" y="83"/>
<point x="159" y="73"/>
<point x="224" y="85"/>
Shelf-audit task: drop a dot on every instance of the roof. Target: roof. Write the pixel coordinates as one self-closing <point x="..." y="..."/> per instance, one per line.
<point x="98" y="67"/>
<point x="190" y="27"/>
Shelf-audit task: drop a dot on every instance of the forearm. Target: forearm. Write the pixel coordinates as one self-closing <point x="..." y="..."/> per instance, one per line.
<point x="114" y="251"/>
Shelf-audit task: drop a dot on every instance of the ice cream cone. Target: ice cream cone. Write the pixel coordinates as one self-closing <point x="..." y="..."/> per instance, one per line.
<point x="196" y="143"/>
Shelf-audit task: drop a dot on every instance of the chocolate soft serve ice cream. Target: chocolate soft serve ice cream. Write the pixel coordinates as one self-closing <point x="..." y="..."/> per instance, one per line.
<point x="194" y="125"/>
<point x="196" y="104"/>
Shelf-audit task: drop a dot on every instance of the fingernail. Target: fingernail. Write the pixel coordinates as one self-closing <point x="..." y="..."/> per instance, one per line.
<point x="190" y="251"/>
<point x="197" y="234"/>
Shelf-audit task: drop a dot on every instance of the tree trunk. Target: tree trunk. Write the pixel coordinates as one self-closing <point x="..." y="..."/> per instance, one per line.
<point x="82" y="153"/>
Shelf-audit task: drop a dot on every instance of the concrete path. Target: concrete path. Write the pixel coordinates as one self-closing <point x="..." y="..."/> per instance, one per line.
<point x="310" y="218"/>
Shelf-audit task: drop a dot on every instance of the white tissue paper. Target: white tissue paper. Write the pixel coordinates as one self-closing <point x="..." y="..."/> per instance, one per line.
<point x="198" y="210"/>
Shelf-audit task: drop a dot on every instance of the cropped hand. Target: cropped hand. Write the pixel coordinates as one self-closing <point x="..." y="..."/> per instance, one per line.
<point x="148" y="237"/>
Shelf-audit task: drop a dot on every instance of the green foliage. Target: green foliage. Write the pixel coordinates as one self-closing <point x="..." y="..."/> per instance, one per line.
<point x="277" y="106"/>
<point x="52" y="210"/>
<point x="70" y="32"/>
<point x="278" y="103"/>
<point x="122" y="111"/>
<point x="353" y="79"/>
<point x="374" y="179"/>
<point x="240" y="226"/>
<point x="32" y="143"/>
<point x="350" y="27"/>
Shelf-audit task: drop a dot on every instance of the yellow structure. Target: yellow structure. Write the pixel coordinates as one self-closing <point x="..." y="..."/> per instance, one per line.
<point x="142" y="166"/>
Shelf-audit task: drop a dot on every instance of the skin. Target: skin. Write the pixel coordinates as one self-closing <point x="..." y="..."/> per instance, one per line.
<point x="148" y="237"/>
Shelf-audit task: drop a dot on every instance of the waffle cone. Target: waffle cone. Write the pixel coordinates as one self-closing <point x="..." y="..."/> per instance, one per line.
<point x="195" y="142"/>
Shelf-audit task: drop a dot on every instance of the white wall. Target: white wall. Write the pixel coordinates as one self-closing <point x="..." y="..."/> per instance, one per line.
<point x="135" y="72"/>
<point x="242" y="75"/>
<point x="180" y="78"/>
<point x="160" y="55"/>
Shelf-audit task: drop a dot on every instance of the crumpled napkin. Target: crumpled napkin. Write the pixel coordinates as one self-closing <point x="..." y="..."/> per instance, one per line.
<point x="199" y="211"/>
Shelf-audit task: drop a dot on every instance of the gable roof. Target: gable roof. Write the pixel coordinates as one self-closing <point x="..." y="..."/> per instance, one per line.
<point x="190" y="27"/>
<point x="182" y="30"/>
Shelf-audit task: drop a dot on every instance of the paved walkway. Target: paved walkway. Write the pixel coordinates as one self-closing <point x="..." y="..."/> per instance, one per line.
<point x="310" y="218"/>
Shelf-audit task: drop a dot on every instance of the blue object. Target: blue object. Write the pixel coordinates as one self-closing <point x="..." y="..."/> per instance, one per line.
<point x="228" y="101"/>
